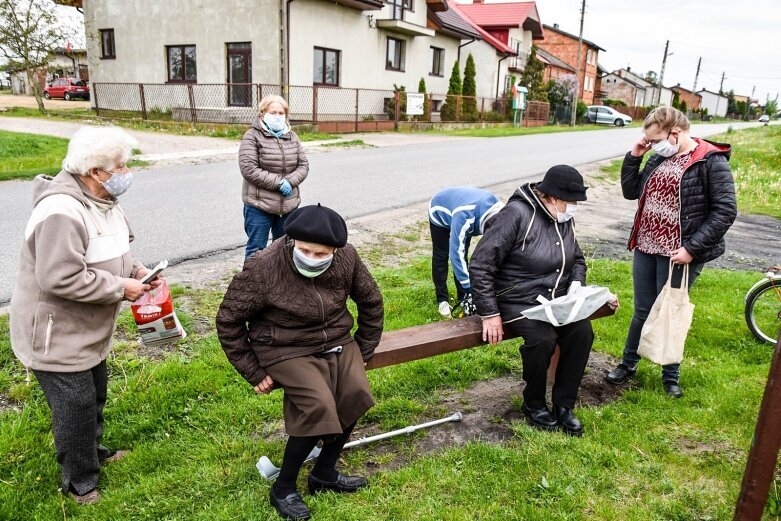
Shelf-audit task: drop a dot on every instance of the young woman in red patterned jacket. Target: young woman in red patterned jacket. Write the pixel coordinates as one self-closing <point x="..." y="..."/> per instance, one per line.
<point x="686" y="203"/>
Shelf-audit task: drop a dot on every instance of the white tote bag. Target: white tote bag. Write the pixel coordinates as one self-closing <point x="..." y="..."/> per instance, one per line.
<point x="664" y="332"/>
<point x="569" y="308"/>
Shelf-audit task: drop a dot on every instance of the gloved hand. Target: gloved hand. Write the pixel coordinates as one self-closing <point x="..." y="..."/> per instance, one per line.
<point x="575" y="286"/>
<point x="285" y="188"/>
<point x="468" y="306"/>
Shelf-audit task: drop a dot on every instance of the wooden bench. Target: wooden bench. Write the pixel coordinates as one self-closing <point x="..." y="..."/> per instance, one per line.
<point x="415" y="343"/>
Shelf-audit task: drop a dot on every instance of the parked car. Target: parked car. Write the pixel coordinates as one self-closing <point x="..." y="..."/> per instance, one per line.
<point x="602" y="114"/>
<point x="764" y="118"/>
<point x="67" y="88"/>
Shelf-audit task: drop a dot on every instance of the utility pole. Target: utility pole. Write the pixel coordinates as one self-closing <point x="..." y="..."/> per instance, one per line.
<point x="691" y="101"/>
<point x="661" y="75"/>
<point x="718" y="98"/>
<point x="577" y="67"/>
<point x="748" y="103"/>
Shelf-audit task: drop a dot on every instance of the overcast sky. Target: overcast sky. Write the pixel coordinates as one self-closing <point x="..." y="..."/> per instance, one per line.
<point x="739" y="38"/>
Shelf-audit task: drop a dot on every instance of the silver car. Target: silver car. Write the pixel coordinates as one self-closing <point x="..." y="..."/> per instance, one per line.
<point x="606" y="115"/>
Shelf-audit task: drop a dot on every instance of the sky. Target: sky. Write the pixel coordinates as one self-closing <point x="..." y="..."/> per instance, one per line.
<point x="740" y="39"/>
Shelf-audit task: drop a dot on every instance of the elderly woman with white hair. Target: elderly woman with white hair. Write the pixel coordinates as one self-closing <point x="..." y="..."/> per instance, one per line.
<point x="75" y="269"/>
<point x="273" y="164"/>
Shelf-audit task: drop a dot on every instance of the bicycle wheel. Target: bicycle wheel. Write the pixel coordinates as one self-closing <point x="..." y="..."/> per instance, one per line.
<point x="763" y="311"/>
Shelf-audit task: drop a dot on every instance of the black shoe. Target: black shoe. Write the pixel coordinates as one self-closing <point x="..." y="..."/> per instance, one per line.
<point x="673" y="389"/>
<point x="342" y="483"/>
<point x="620" y="374"/>
<point x="540" y="418"/>
<point x="567" y="421"/>
<point x="291" y="507"/>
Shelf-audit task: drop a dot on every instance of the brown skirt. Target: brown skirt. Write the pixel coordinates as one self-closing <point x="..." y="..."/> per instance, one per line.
<point x="324" y="394"/>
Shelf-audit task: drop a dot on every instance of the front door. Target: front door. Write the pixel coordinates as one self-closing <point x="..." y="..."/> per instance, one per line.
<point x="240" y="74"/>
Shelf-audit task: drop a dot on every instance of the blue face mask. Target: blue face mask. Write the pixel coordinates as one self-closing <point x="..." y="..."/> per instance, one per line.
<point x="118" y="184"/>
<point x="275" y="123"/>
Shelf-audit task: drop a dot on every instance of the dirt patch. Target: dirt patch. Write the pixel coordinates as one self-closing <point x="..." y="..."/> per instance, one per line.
<point x="489" y="408"/>
<point x="7" y="404"/>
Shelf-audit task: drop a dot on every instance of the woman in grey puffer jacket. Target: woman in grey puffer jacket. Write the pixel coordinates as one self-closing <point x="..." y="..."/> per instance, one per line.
<point x="273" y="164"/>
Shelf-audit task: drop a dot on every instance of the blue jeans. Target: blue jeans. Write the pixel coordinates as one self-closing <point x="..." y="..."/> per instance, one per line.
<point x="649" y="275"/>
<point x="257" y="224"/>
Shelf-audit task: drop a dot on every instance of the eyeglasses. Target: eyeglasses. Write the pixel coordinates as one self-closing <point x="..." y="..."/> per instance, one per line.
<point x="652" y="142"/>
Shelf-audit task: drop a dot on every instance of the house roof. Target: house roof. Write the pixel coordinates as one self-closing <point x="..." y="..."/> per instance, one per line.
<point x="575" y="36"/>
<point x="627" y="80"/>
<point x="711" y="92"/>
<point x="547" y="57"/>
<point x="511" y="14"/>
<point x="500" y="46"/>
<point x="601" y="70"/>
<point x="453" y="22"/>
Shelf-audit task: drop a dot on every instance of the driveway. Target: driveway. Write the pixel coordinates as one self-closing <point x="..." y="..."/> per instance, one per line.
<point x="11" y="100"/>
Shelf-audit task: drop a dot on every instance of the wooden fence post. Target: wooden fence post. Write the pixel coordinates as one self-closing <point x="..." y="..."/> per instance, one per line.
<point x="482" y="110"/>
<point x="357" y="100"/>
<point x="95" y="98"/>
<point x="314" y="105"/>
<point x="143" y="100"/>
<point x="763" y="455"/>
<point x="397" y="113"/>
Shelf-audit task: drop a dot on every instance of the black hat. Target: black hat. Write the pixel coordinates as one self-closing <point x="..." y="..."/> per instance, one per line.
<point x="317" y="224"/>
<point x="563" y="182"/>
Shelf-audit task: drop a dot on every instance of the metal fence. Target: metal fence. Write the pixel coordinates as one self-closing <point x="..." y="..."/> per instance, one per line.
<point x="331" y="109"/>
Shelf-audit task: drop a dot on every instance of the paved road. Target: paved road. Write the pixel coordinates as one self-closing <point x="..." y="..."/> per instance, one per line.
<point x="182" y="212"/>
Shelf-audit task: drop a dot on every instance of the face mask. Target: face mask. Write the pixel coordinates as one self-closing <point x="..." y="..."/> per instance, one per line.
<point x="665" y="149"/>
<point x="567" y="214"/>
<point x="118" y="184"/>
<point x="274" y="122"/>
<point x="310" y="267"/>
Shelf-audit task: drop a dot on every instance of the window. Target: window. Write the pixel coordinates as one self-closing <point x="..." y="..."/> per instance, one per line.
<point x="107" y="50"/>
<point x="398" y="7"/>
<point x="326" y="67"/>
<point x="437" y="61"/>
<point x="181" y="64"/>
<point x="395" y="55"/>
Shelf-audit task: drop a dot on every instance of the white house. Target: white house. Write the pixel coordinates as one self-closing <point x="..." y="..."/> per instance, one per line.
<point x="716" y="104"/>
<point x="65" y="63"/>
<point x="625" y="89"/>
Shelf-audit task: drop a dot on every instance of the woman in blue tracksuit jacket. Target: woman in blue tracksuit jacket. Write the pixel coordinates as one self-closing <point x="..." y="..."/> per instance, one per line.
<point x="455" y="216"/>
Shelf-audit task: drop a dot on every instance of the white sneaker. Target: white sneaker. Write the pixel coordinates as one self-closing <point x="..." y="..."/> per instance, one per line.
<point x="444" y="309"/>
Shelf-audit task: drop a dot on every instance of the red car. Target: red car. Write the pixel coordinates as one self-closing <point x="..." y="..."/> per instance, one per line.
<point x="67" y="88"/>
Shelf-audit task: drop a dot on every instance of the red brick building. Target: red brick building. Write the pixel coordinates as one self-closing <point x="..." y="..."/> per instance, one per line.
<point x="686" y="96"/>
<point x="554" y="67"/>
<point x="564" y="46"/>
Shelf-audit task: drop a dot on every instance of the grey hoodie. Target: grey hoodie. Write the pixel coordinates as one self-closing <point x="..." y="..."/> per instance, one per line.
<point x="70" y="281"/>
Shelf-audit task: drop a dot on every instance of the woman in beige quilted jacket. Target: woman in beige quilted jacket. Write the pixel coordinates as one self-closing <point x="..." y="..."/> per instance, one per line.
<point x="273" y="164"/>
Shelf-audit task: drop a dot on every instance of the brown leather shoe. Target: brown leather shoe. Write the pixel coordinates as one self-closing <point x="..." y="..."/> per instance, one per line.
<point x="115" y="456"/>
<point x="90" y="498"/>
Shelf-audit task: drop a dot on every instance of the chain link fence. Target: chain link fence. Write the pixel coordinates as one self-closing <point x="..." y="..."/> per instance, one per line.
<point x="331" y="109"/>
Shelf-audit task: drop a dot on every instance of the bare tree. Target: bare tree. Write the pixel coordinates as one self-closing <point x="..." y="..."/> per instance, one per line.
<point x="29" y="33"/>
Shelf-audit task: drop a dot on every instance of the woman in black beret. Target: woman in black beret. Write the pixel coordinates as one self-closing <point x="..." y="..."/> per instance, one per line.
<point x="284" y="323"/>
<point x="531" y="250"/>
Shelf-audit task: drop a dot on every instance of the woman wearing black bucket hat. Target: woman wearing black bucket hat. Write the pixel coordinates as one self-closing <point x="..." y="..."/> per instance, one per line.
<point x="531" y="250"/>
<point x="284" y="323"/>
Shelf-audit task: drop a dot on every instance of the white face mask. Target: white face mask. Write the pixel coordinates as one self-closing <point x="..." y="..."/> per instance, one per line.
<point x="309" y="267"/>
<point x="567" y="214"/>
<point x="274" y="122"/>
<point x="665" y="149"/>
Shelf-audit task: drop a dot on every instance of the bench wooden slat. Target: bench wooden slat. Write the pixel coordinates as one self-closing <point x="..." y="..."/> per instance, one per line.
<point x="414" y="343"/>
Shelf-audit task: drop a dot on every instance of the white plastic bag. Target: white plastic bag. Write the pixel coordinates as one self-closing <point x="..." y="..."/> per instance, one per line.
<point x="667" y="326"/>
<point x="578" y="305"/>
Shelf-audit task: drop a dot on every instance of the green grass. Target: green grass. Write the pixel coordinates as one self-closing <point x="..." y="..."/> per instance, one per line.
<point x="23" y="156"/>
<point x="520" y="131"/>
<point x="182" y="128"/>
<point x="755" y="163"/>
<point x="345" y="144"/>
<point x="196" y="428"/>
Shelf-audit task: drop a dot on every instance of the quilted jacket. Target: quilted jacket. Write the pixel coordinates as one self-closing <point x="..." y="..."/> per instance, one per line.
<point x="272" y="313"/>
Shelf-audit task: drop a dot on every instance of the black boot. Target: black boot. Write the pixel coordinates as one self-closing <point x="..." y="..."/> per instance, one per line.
<point x="567" y="421"/>
<point x="540" y="418"/>
<point x="672" y="388"/>
<point x="342" y="483"/>
<point x="620" y="374"/>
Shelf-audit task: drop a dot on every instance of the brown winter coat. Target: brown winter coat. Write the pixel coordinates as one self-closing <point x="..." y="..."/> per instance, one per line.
<point x="272" y="313"/>
<point x="264" y="160"/>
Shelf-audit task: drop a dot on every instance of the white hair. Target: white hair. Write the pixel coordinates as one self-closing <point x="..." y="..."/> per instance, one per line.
<point x="97" y="147"/>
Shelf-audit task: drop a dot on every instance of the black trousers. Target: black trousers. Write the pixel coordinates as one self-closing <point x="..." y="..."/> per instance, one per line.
<point x="76" y="401"/>
<point x="540" y="340"/>
<point x="440" y="241"/>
